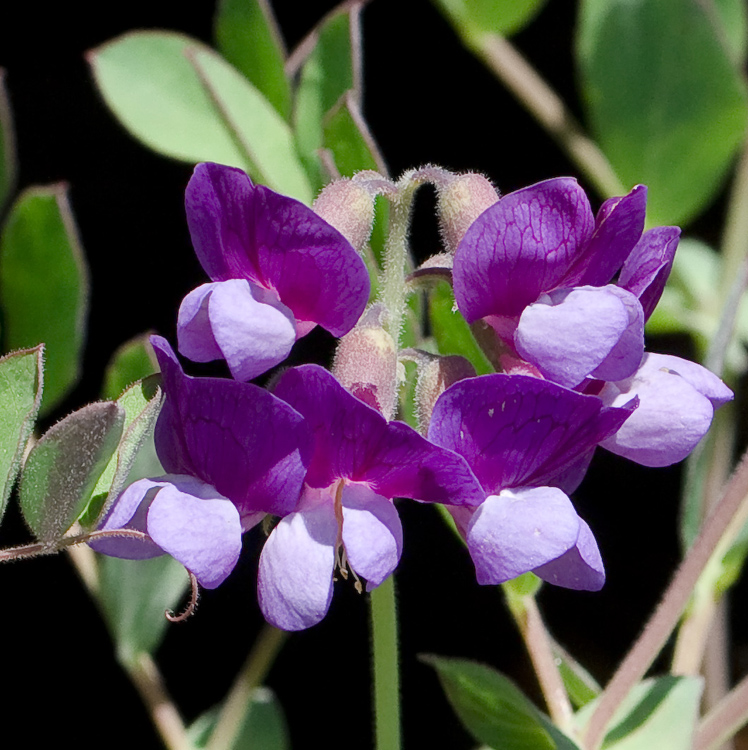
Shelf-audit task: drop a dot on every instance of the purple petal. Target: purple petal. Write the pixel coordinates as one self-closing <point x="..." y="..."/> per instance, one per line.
<point x="516" y="430"/>
<point x="647" y="268"/>
<point x="248" y="444"/>
<point x="520" y="247"/>
<point x="672" y="416"/>
<point x="241" y="230"/>
<point x="355" y="442"/>
<point x="519" y="530"/>
<point x="294" y="583"/>
<point x="570" y="333"/>
<point x="130" y="511"/>
<point x="372" y="534"/>
<point x="579" y="568"/>
<point x="198" y="527"/>
<point x="618" y="227"/>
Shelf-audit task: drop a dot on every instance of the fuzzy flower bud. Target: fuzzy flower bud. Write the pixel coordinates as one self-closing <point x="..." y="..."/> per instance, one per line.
<point x="366" y="363"/>
<point x="461" y="201"/>
<point x="349" y="207"/>
<point x="435" y="375"/>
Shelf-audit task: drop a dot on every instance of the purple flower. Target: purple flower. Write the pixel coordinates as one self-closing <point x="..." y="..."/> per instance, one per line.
<point x="233" y="453"/>
<point x="537" y="265"/>
<point x="277" y="270"/>
<point x="525" y="439"/>
<point x="346" y="516"/>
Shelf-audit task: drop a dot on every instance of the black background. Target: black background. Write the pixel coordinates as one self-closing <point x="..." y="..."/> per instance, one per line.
<point x="427" y="101"/>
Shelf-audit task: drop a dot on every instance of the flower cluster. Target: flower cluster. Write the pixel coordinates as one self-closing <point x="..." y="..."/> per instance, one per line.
<point x="560" y="297"/>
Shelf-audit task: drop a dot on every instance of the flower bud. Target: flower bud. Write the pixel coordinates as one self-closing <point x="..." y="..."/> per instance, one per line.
<point x="349" y="207"/>
<point x="461" y="201"/>
<point x="435" y="375"/>
<point x="366" y="363"/>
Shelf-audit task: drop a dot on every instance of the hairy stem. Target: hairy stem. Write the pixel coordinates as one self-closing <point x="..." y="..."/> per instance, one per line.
<point x="725" y="719"/>
<point x="386" y="666"/>
<point x="266" y="648"/>
<point x="716" y="534"/>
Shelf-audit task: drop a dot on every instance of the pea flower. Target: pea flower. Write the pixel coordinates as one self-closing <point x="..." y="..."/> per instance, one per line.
<point x="536" y="266"/>
<point x="346" y="516"/>
<point x="527" y="441"/>
<point x="277" y="270"/>
<point x="233" y="453"/>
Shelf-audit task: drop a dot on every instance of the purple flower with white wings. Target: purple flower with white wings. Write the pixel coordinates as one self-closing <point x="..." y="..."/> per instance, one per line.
<point x="277" y="270"/>
<point x="537" y="266"/>
<point x="346" y="517"/>
<point x="528" y="442"/>
<point x="233" y="453"/>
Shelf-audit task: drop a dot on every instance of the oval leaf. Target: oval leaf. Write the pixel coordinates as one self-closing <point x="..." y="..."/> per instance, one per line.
<point x="491" y="706"/>
<point x="44" y="285"/>
<point x="475" y="17"/>
<point x="183" y="100"/>
<point x="248" y="37"/>
<point x="664" y="98"/>
<point x="62" y="469"/>
<point x="133" y="361"/>
<point x="21" y="375"/>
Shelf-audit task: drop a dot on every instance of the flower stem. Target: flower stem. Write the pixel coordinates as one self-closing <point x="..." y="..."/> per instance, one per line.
<point x="266" y="648"/>
<point x="716" y="534"/>
<point x="547" y="107"/>
<point x="725" y="719"/>
<point x="386" y="667"/>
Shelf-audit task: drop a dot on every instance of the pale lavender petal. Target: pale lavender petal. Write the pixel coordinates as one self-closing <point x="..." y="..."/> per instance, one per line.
<point x="355" y="442"/>
<point x="241" y="230"/>
<point x="520" y="247"/>
<point x="570" y="333"/>
<point x="516" y="430"/>
<point x="198" y="527"/>
<point x="671" y="419"/>
<point x="294" y="582"/>
<point x="519" y="530"/>
<point x="130" y="511"/>
<point x="253" y="336"/>
<point x="372" y="534"/>
<point x="703" y="380"/>
<point x="626" y="355"/>
<point x="248" y="444"/>
<point x="647" y="268"/>
<point x="579" y="568"/>
<point x="618" y="227"/>
<point x="194" y="335"/>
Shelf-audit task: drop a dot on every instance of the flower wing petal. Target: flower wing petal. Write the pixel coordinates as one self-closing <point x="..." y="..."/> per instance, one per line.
<point x="294" y="583"/>
<point x="519" y="530"/>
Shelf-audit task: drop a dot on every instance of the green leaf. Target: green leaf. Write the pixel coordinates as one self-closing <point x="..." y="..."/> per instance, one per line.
<point x="62" y="469"/>
<point x="658" y="713"/>
<point x="133" y="360"/>
<point x="8" y="162"/>
<point x="579" y="683"/>
<point x="491" y="706"/>
<point x="141" y="404"/>
<point x="331" y="69"/>
<point x="183" y="100"/>
<point x="451" y="332"/>
<point x="263" y="724"/>
<point x="663" y="97"/>
<point x="44" y="286"/>
<point x="134" y="595"/>
<point x="733" y="16"/>
<point x="476" y="17"/>
<point x="248" y="37"/>
<point x="21" y="377"/>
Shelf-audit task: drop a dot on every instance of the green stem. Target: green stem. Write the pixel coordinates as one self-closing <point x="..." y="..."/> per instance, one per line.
<point x="266" y="648"/>
<point x="386" y="667"/>
<point x="547" y="107"/>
